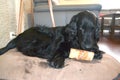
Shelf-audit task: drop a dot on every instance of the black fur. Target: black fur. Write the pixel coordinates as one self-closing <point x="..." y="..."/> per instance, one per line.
<point x="54" y="44"/>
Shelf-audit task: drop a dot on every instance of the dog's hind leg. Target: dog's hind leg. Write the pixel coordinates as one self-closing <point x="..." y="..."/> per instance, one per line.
<point x="9" y="46"/>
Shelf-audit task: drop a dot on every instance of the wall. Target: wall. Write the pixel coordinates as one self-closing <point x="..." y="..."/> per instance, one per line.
<point x="7" y="20"/>
<point x="9" y="17"/>
<point x="112" y="4"/>
<point x="68" y="2"/>
<point x="106" y="4"/>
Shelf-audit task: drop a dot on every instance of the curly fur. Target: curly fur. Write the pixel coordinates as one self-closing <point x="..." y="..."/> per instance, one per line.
<point x="54" y="43"/>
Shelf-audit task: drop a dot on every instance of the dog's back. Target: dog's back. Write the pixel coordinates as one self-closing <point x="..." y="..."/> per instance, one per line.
<point x="36" y="41"/>
<point x="31" y="37"/>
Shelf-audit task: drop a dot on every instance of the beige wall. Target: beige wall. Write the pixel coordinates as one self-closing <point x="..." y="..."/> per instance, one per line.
<point x="67" y="2"/>
<point x="9" y="17"/>
<point x="112" y="4"/>
<point x="7" y="20"/>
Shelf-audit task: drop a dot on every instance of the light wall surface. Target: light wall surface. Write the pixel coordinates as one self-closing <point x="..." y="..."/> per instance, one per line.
<point x="7" y="20"/>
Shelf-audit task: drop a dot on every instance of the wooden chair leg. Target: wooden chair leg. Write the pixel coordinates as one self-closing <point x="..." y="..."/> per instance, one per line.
<point x="112" y="25"/>
<point x="102" y="26"/>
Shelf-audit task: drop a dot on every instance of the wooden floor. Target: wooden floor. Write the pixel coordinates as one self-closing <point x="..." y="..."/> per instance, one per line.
<point x="110" y="44"/>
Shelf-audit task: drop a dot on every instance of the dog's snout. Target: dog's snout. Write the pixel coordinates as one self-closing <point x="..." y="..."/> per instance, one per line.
<point x="87" y="47"/>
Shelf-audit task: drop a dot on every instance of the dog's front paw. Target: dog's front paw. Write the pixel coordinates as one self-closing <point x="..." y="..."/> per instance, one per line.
<point x="98" y="55"/>
<point x="57" y="62"/>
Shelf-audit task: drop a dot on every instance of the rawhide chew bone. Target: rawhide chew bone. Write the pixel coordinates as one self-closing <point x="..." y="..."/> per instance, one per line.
<point x="81" y="54"/>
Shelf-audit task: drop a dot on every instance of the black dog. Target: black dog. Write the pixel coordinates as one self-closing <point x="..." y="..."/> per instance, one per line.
<point x="54" y="43"/>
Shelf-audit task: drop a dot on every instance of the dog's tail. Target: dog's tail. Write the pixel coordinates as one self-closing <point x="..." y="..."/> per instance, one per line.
<point x="10" y="45"/>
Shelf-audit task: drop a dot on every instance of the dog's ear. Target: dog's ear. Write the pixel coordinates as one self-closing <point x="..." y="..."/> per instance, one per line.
<point x="97" y="31"/>
<point x="72" y="27"/>
<point x="73" y="22"/>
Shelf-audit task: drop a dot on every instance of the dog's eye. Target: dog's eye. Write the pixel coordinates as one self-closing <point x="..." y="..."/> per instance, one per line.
<point x="73" y="33"/>
<point x="81" y="29"/>
<point x="93" y="29"/>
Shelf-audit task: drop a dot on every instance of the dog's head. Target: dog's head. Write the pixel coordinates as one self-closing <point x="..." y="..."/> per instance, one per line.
<point x="85" y="28"/>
